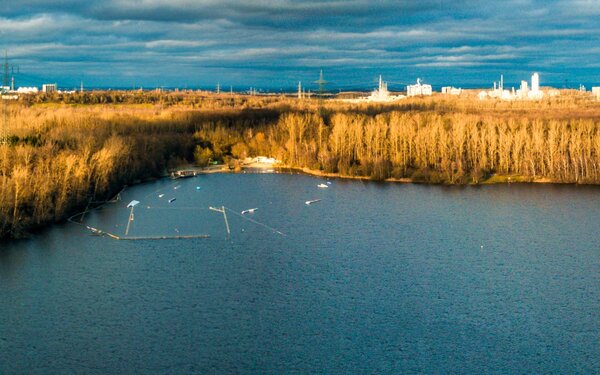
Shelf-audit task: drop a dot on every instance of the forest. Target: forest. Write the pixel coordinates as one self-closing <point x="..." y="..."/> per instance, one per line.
<point x="60" y="152"/>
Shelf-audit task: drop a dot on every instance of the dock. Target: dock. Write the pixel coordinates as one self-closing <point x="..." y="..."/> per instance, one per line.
<point x="184" y="173"/>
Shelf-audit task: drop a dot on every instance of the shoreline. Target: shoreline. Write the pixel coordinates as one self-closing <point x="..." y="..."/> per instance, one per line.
<point x="492" y="180"/>
<point x="282" y="168"/>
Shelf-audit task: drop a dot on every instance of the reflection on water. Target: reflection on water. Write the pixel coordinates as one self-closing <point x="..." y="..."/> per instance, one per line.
<point x="373" y="278"/>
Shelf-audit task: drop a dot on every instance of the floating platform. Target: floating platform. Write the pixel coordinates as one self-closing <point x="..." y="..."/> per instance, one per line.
<point x="312" y="201"/>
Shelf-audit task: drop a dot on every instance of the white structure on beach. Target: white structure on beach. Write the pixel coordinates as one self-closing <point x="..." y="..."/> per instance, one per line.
<point x="596" y="92"/>
<point x="418" y="89"/>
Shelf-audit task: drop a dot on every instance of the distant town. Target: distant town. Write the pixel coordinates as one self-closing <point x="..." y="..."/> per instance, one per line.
<point x="381" y="94"/>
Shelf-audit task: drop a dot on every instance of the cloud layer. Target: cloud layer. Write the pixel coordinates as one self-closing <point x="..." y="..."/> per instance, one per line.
<point x="274" y="44"/>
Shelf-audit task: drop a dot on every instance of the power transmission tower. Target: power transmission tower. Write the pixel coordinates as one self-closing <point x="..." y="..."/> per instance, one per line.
<point x="321" y="82"/>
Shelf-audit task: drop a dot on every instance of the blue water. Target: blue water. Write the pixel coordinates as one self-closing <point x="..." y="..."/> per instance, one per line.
<point x="374" y="278"/>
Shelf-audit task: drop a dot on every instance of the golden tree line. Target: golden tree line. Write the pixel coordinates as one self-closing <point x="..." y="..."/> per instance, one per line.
<point x="57" y="161"/>
<point x="450" y="148"/>
<point x="60" y="156"/>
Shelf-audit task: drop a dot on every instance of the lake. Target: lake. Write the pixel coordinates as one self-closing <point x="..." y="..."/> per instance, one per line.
<point x="374" y="278"/>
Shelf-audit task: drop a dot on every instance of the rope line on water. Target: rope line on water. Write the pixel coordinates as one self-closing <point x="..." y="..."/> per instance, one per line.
<point x="103" y="207"/>
<point x="173" y="184"/>
<point x="255" y="222"/>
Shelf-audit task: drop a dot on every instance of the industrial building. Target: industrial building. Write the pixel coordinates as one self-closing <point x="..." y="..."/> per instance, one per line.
<point x="379" y="95"/>
<point x="418" y="89"/>
<point x="535" y="92"/>
<point x="49" y="87"/>
<point x="524" y="91"/>
<point x="27" y="90"/>
<point x="450" y="90"/>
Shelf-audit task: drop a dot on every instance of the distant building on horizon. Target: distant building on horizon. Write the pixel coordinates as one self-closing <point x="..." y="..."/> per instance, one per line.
<point x="524" y="91"/>
<point x="49" y="87"/>
<point x="451" y="90"/>
<point x="379" y="95"/>
<point x="535" y="92"/>
<point x="28" y="90"/>
<point x="419" y="89"/>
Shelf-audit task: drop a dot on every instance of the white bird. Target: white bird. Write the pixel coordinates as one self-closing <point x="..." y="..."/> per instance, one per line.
<point x="249" y="211"/>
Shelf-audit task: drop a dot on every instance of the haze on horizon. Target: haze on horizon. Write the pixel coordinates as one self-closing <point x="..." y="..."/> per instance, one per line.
<point x="271" y="44"/>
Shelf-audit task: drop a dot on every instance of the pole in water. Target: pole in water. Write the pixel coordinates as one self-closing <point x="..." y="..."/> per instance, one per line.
<point x="131" y="218"/>
<point x="131" y="205"/>
<point x="222" y="210"/>
<point x="226" y="222"/>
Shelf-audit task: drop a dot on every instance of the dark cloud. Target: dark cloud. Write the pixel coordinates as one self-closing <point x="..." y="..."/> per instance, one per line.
<point x="277" y="43"/>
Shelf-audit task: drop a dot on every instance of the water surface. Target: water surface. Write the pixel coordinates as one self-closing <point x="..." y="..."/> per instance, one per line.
<point x="373" y="278"/>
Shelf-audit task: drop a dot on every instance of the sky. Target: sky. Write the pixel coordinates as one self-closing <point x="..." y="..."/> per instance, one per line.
<point x="274" y="44"/>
